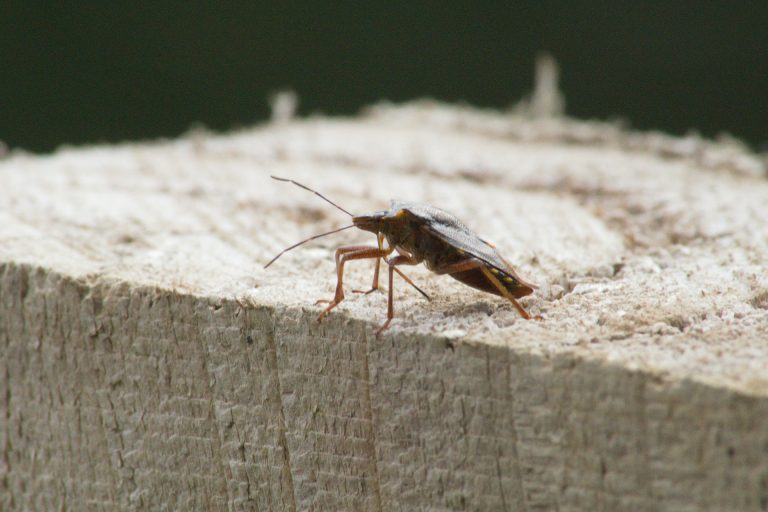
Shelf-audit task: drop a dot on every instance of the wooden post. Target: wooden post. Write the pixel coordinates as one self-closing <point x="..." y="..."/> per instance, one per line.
<point x="148" y="361"/>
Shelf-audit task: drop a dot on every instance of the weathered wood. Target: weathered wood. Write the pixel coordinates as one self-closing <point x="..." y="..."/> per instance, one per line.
<point x="150" y="362"/>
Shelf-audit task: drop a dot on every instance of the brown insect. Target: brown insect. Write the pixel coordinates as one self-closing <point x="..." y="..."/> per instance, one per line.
<point x="422" y="233"/>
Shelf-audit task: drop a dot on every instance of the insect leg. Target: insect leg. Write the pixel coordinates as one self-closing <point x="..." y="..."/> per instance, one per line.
<point x="375" y="285"/>
<point x="341" y="251"/>
<point x="470" y="264"/>
<point x="344" y="254"/>
<point x="408" y="280"/>
<point x="492" y="278"/>
<point x="397" y="260"/>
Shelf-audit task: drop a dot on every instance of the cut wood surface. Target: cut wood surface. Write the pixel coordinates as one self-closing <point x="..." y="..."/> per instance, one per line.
<point x="150" y="362"/>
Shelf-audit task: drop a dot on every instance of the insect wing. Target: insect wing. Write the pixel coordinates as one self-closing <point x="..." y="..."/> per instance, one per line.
<point x="452" y="231"/>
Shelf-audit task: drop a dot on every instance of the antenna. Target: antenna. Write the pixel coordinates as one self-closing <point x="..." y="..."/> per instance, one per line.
<point x="313" y="191"/>
<point x="305" y="241"/>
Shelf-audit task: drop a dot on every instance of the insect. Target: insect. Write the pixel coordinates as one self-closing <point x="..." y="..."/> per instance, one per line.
<point x="422" y="233"/>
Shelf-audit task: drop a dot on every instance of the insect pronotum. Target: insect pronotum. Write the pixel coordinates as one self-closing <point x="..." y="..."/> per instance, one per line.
<point x="422" y="233"/>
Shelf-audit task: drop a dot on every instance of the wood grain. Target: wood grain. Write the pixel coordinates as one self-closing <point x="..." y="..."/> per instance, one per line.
<point x="150" y="362"/>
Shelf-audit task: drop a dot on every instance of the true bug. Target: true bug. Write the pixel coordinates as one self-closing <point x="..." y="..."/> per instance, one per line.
<point x="422" y="233"/>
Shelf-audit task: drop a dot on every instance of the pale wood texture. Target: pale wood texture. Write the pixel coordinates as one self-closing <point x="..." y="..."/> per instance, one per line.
<point x="149" y="362"/>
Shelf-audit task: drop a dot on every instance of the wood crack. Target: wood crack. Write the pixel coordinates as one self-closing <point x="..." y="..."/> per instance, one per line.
<point x="283" y="441"/>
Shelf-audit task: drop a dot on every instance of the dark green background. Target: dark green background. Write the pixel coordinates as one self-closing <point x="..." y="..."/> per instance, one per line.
<point x="110" y="71"/>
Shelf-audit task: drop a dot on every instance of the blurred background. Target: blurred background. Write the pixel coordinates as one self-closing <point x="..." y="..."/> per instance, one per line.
<point x="95" y="71"/>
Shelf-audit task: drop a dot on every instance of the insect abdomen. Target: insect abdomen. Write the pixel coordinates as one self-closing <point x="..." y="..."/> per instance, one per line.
<point x="477" y="279"/>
